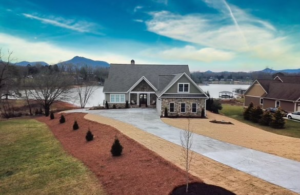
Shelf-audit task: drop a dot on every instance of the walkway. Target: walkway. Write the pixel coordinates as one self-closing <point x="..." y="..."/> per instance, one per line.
<point x="277" y="170"/>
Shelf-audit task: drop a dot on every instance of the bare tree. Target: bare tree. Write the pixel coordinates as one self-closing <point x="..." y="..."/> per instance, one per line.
<point x="49" y="86"/>
<point x="84" y="93"/>
<point x="4" y="72"/>
<point x="186" y="139"/>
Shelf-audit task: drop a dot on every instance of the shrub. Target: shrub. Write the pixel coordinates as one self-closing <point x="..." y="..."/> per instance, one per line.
<point x="114" y="106"/>
<point x="202" y="113"/>
<point x="216" y="106"/>
<point x="166" y="112"/>
<point x="62" y="119"/>
<point x="266" y="118"/>
<point x="36" y="112"/>
<point x="116" y="149"/>
<point x="106" y="105"/>
<point x="277" y="120"/>
<point x="51" y="115"/>
<point x="256" y="114"/>
<point x="75" y="125"/>
<point x="247" y="112"/>
<point x="89" y="136"/>
<point x="127" y="105"/>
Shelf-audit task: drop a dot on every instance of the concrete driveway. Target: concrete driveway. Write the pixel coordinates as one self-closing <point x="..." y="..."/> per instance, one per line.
<point x="274" y="169"/>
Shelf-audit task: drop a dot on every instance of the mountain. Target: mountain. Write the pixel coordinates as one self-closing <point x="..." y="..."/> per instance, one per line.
<point x="25" y="63"/>
<point x="77" y="60"/>
<point x="289" y="71"/>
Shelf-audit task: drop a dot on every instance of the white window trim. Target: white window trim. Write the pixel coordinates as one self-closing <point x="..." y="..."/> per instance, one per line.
<point x="170" y="107"/>
<point x="183" y="88"/>
<point x="276" y="104"/>
<point x="120" y="102"/>
<point x="184" y="107"/>
<point x="192" y="107"/>
<point x="260" y="101"/>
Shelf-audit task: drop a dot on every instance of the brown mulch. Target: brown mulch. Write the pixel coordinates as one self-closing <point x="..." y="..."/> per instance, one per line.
<point x="137" y="171"/>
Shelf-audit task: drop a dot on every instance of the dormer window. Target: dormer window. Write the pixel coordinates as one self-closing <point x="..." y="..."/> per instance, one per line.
<point x="183" y="87"/>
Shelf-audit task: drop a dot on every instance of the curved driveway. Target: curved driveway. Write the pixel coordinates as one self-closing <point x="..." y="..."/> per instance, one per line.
<point x="274" y="169"/>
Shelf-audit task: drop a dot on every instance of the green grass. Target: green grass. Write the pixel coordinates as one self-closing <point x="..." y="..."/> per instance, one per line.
<point x="33" y="162"/>
<point x="292" y="128"/>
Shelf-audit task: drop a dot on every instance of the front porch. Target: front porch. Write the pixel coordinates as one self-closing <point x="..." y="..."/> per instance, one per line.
<point x="142" y="99"/>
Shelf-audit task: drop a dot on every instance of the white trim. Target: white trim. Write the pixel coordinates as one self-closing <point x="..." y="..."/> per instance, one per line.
<point x="141" y="92"/>
<point x="183" y="97"/>
<point x="254" y="96"/>
<point x="183" y="87"/>
<point x="192" y="107"/>
<point x="184" y="107"/>
<point x="138" y="82"/>
<point x="278" y="78"/>
<point x="120" y="102"/>
<point x="171" y="84"/>
<point x="173" y="107"/>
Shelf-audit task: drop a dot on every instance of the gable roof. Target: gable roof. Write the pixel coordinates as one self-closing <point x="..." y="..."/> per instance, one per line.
<point x="139" y="81"/>
<point x="123" y="76"/>
<point x="284" y="91"/>
<point x="175" y="79"/>
<point x="288" y="79"/>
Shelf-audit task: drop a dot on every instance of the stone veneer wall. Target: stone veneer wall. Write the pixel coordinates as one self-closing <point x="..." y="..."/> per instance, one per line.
<point x="188" y="106"/>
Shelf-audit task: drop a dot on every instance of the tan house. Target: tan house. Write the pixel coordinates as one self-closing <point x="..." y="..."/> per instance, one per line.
<point x="282" y="91"/>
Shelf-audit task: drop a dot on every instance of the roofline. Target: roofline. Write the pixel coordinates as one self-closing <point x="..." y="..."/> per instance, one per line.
<point x="253" y="84"/>
<point x="184" y="97"/>
<point x="279" y="78"/>
<point x="280" y="99"/>
<point x="164" y="91"/>
<point x="136" y="83"/>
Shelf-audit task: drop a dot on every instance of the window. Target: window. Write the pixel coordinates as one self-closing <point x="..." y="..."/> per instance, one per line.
<point x="172" y="107"/>
<point x="117" y="98"/>
<point x="261" y="101"/>
<point x="183" y="87"/>
<point x="194" y="107"/>
<point x="277" y="104"/>
<point x="182" y="107"/>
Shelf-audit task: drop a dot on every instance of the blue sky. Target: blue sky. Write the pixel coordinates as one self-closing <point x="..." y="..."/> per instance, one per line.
<point x="215" y="35"/>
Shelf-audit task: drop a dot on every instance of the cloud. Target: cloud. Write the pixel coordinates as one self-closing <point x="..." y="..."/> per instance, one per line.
<point x="79" y="26"/>
<point x="136" y="8"/>
<point x="25" y="50"/>
<point x="202" y="55"/>
<point x="138" y="20"/>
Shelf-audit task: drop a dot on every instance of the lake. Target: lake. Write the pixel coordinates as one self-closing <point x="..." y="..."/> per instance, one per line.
<point x="98" y="96"/>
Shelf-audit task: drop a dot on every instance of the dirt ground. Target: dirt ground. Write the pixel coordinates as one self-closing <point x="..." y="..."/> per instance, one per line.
<point x="137" y="171"/>
<point x="241" y="134"/>
<point x="210" y="171"/>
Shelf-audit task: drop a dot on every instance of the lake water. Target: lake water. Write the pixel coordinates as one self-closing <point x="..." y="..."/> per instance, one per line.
<point x="98" y="96"/>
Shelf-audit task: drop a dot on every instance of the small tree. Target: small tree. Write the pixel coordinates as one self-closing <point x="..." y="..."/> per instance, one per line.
<point x="89" y="136"/>
<point x="166" y="112"/>
<point x="117" y="148"/>
<point x="256" y="114"/>
<point x="277" y="120"/>
<point x="75" y="125"/>
<point x="51" y="115"/>
<point x="127" y="104"/>
<point x="62" y="119"/>
<point x="106" y="105"/>
<point x="266" y="118"/>
<point x="186" y="139"/>
<point x="247" y="112"/>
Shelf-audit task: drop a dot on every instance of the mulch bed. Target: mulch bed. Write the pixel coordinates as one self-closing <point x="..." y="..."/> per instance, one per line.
<point x="137" y="171"/>
<point x="221" y="122"/>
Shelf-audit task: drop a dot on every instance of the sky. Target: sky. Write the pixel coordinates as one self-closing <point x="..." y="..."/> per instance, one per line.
<point x="216" y="35"/>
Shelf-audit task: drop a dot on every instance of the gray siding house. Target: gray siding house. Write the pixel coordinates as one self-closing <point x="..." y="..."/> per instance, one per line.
<point x="156" y="86"/>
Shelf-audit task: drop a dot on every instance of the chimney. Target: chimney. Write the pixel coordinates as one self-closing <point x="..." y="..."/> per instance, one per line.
<point x="132" y="62"/>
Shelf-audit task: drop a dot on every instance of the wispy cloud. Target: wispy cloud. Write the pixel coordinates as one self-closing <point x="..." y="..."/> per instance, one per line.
<point x="79" y="26"/>
<point x="138" y="20"/>
<point x="136" y="8"/>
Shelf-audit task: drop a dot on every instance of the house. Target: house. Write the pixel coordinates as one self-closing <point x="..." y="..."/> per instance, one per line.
<point x="156" y="86"/>
<point x="282" y="91"/>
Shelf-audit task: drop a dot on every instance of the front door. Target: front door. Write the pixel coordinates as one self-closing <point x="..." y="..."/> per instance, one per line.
<point x="143" y="98"/>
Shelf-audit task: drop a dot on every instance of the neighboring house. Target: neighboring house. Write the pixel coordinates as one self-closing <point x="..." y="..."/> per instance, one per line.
<point x="157" y="86"/>
<point x="282" y="91"/>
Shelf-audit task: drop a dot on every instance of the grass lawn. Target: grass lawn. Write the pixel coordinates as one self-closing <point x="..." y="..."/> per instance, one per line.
<point x="291" y="129"/>
<point x="33" y="162"/>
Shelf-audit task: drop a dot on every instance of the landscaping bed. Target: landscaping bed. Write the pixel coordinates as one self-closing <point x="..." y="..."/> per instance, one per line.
<point x="137" y="171"/>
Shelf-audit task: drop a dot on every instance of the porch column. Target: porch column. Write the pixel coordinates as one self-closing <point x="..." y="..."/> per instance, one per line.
<point x="148" y="99"/>
<point x="137" y="99"/>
